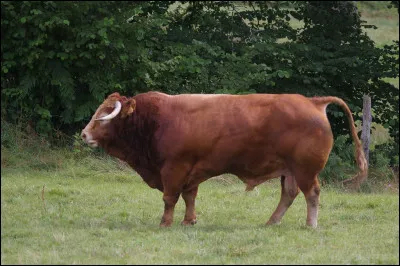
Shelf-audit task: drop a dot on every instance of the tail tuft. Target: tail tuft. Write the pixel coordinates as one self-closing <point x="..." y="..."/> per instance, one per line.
<point x="356" y="181"/>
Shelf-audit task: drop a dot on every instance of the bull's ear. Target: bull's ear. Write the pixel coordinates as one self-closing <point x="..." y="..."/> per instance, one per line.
<point x="128" y="108"/>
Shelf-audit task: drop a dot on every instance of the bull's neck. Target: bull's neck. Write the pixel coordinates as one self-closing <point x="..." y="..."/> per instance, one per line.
<point x="133" y="141"/>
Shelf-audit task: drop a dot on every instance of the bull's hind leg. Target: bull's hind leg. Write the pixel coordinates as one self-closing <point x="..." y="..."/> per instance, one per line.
<point x="189" y="197"/>
<point x="289" y="191"/>
<point x="311" y="192"/>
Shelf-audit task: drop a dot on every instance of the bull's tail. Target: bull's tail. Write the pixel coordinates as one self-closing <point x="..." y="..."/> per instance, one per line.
<point x="360" y="177"/>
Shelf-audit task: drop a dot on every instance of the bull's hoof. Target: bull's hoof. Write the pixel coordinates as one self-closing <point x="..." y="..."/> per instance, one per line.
<point x="272" y="222"/>
<point x="165" y="223"/>
<point x="249" y="187"/>
<point x="191" y="222"/>
<point x="312" y="225"/>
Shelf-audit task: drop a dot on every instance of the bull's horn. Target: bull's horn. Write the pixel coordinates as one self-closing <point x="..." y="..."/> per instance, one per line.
<point x="114" y="113"/>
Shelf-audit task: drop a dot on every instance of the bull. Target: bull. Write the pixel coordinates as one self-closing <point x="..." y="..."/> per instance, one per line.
<point x="175" y="142"/>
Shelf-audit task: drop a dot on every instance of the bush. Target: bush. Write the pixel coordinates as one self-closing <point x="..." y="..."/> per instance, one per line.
<point x="384" y="155"/>
<point x="341" y="163"/>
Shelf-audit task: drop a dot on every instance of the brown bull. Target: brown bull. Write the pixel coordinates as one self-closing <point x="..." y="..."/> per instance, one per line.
<point x="176" y="142"/>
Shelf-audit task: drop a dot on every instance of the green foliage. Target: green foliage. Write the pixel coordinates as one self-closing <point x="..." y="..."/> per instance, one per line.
<point x="341" y="60"/>
<point x="60" y="59"/>
<point x="383" y="155"/>
<point x="341" y="162"/>
<point x="79" y="147"/>
<point x="71" y="57"/>
<point x="81" y="150"/>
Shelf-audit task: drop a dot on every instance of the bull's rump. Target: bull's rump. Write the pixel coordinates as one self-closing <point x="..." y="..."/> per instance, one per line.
<point x="247" y="135"/>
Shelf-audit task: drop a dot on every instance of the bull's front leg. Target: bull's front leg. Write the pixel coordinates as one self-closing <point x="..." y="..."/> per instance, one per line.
<point x="189" y="197"/>
<point x="173" y="176"/>
<point x="169" y="206"/>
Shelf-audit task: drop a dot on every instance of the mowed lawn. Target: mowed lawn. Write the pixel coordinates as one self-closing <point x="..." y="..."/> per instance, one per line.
<point x="90" y="213"/>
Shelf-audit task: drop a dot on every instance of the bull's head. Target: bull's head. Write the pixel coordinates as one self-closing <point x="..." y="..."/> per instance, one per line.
<point x="103" y="122"/>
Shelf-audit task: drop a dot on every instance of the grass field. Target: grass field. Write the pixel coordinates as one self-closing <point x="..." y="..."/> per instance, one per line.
<point x="386" y="19"/>
<point x="95" y="211"/>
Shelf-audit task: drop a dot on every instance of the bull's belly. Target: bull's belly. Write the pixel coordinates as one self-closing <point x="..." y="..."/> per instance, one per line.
<point x="253" y="181"/>
<point x="253" y="163"/>
<point x="256" y="172"/>
<point x="251" y="170"/>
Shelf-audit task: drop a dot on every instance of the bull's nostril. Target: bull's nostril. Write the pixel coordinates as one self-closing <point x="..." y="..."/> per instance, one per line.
<point x="83" y="135"/>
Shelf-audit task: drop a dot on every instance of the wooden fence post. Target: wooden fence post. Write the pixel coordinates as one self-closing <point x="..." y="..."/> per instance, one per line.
<point x="366" y="125"/>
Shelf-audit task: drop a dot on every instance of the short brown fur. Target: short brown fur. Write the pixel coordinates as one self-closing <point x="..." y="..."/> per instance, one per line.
<point x="177" y="142"/>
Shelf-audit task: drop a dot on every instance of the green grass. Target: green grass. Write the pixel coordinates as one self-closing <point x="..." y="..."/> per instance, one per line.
<point x="97" y="211"/>
<point x="387" y="22"/>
